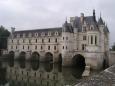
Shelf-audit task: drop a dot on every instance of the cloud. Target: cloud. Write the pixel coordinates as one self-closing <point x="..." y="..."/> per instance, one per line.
<point x="29" y="14"/>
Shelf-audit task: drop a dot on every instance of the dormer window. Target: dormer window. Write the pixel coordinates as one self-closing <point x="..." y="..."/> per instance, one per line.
<point x="56" y="33"/>
<point x="42" y="34"/>
<point x="49" y="33"/>
<point x="91" y="28"/>
<point x="36" y="34"/>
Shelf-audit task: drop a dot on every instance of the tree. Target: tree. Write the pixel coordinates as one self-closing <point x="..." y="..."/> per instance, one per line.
<point x="4" y="34"/>
<point x="113" y="47"/>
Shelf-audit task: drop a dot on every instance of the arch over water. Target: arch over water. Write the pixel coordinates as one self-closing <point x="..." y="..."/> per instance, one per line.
<point x="22" y="56"/>
<point x="35" y="56"/>
<point x="78" y="61"/>
<point x="11" y="55"/>
<point x="60" y="58"/>
<point x="49" y="57"/>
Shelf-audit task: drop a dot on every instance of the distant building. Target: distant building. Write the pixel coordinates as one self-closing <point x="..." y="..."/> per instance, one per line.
<point x="83" y="36"/>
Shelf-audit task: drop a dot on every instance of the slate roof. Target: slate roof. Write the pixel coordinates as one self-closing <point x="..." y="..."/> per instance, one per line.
<point x="88" y="19"/>
<point x="67" y="27"/>
<point x="39" y="31"/>
<point x="100" y="21"/>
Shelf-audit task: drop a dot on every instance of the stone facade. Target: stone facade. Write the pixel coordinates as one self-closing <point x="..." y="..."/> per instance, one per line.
<point x="82" y="35"/>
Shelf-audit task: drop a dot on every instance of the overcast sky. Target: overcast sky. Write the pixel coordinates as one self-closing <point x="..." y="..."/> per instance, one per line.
<point x="35" y="14"/>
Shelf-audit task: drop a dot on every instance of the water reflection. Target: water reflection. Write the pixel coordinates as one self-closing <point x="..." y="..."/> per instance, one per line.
<point x="33" y="73"/>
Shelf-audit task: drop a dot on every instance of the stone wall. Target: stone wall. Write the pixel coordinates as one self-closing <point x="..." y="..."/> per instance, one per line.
<point x="105" y="78"/>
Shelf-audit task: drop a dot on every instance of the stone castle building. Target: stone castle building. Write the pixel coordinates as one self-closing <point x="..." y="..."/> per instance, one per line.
<point x="82" y="37"/>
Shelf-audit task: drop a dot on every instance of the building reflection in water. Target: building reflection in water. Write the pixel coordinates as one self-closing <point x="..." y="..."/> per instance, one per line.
<point x="33" y="73"/>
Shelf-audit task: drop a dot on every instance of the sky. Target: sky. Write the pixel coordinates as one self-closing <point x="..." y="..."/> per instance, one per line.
<point x="35" y="14"/>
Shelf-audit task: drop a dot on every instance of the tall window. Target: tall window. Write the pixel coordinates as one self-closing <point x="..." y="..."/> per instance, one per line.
<point x="54" y="47"/>
<point x="63" y="38"/>
<point x="56" y="40"/>
<point x="42" y="40"/>
<point x="84" y="37"/>
<point x="23" y="46"/>
<point x="66" y="38"/>
<point x="63" y="47"/>
<point x="83" y="46"/>
<point x="12" y="40"/>
<point x="95" y="39"/>
<point x="49" y="40"/>
<point x="35" y="47"/>
<point x="16" y="47"/>
<point x="41" y="47"/>
<point x="28" y="47"/>
<point x="48" y="47"/>
<point x="91" y="39"/>
<point x="36" y="40"/>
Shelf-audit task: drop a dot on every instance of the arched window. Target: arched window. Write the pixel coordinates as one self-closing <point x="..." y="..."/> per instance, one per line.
<point x="35" y="47"/>
<point x="56" y="40"/>
<point x="36" y="34"/>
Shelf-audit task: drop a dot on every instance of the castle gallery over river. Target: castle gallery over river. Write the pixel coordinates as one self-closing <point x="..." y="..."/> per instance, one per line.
<point x="80" y="39"/>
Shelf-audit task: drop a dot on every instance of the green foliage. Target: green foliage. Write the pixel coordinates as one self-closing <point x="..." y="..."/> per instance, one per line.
<point x="113" y="47"/>
<point x="4" y="34"/>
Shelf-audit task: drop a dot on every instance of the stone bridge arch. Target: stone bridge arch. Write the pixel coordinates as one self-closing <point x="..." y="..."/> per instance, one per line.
<point x="48" y="57"/>
<point x="11" y="55"/>
<point x="78" y="60"/>
<point x="22" y="56"/>
<point x="35" y="56"/>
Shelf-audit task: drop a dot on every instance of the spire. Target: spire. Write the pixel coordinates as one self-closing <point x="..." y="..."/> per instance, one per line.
<point x="100" y="21"/>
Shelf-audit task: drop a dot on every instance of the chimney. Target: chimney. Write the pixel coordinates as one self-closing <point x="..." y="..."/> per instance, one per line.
<point x="82" y="17"/>
<point x="94" y="15"/>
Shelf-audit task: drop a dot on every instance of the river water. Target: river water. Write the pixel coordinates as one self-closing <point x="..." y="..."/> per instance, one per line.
<point x="22" y="73"/>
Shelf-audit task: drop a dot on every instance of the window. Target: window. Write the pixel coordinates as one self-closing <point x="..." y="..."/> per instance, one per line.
<point x="63" y="38"/>
<point x="91" y="39"/>
<point x="36" y="40"/>
<point x="56" y="40"/>
<point x="84" y="37"/>
<point x="83" y="46"/>
<point x="16" y="47"/>
<point x="28" y="47"/>
<point x="63" y="47"/>
<point x="48" y="47"/>
<point x="36" y="34"/>
<point x="41" y="47"/>
<point x="49" y="40"/>
<point x="23" y="46"/>
<point x="56" y="33"/>
<point x="42" y="40"/>
<point x="49" y="33"/>
<point x="54" y="47"/>
<point x="35" y="47"/>
<point x="95" y="39"/>
<point x="12" y="40"/>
